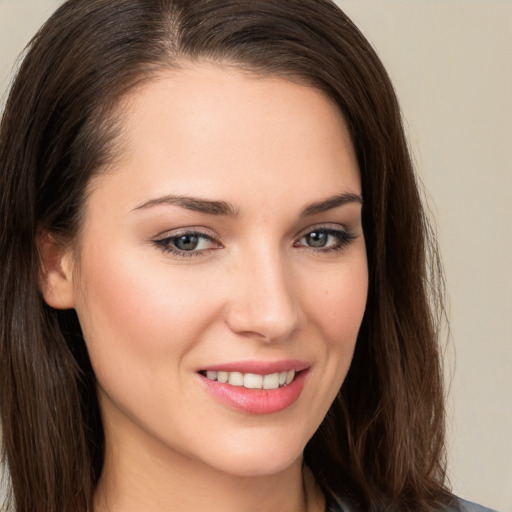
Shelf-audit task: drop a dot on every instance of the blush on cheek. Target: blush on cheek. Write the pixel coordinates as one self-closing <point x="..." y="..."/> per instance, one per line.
<point x="342" y="304"/>
<point x="153" y="309"/>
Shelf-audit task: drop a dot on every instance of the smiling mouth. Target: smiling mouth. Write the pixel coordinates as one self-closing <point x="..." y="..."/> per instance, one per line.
<point x="252" y="380"/>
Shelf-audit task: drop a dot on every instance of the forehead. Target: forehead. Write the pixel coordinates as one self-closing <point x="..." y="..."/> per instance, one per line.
<point x="213" y="130"/>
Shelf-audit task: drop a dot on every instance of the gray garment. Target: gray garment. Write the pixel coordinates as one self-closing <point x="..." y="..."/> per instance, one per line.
<point x="340" y="505"/>
<point x="467" y="506"/>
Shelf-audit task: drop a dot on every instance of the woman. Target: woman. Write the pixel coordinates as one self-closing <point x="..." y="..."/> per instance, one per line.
<point x="214" y="288"/>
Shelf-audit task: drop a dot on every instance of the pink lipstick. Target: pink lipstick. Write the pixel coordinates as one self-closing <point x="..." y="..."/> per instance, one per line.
<point x="256" y="387"/>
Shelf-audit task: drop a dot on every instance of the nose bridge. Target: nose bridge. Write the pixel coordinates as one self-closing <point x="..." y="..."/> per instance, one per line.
<point x="265" y="305"/>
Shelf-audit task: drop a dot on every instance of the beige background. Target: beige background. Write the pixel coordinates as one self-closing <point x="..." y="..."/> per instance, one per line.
<point x="451" y="61"/>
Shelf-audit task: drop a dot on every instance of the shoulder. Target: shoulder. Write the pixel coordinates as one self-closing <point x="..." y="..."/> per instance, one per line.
<point x="340" y="505"/>
<point x="467" y="506"/>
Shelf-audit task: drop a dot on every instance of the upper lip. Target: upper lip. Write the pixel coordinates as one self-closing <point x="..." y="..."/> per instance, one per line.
<point x="259" y="367"/>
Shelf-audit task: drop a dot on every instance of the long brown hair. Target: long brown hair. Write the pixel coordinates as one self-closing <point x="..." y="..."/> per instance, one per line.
<point x="381" y="445"/>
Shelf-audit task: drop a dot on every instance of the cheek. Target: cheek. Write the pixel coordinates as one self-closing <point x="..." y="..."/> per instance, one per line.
<point x="339" y="305"/>
<point x="132" y="311"/>
<point x="336" y="310"/>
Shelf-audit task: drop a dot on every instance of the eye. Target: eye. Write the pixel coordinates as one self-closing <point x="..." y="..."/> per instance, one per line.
<point x="188" y="243"/>
<point x="318" y="239"/>
<point x="325" y="239"/>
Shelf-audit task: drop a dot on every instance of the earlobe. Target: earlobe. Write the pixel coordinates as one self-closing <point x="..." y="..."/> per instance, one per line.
<point x="56" y="272"/>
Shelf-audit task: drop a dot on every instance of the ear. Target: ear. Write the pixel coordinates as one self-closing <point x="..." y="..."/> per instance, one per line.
<point x="56" y="272"/>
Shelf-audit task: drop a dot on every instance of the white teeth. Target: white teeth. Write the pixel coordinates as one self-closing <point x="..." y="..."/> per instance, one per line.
<point x="271" y="381"/>
<point x="236" y="378"/>
<point x="252" y="380"/>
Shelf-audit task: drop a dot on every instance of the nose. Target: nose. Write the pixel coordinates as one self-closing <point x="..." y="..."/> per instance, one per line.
<point x="264" y="303"/>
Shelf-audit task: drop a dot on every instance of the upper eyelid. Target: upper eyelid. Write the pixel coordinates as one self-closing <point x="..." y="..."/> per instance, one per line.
<point x="211" y="234"/>
<point x="198" y="230"/>
<point x="207" y="232"/>
<point x="328" y="226"/>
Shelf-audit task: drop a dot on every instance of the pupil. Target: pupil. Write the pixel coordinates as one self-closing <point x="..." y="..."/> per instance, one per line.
<point x="317" y="239"/>
<point x="187" y="242"/>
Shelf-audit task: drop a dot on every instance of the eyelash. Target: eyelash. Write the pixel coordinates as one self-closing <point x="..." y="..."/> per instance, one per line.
<point x="166" y="244"/>
<point x="343" y="236"/>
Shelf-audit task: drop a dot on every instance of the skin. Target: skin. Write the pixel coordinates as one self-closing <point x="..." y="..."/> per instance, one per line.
<point x="255" y="289"/>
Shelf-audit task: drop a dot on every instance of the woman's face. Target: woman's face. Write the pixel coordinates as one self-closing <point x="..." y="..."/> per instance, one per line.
<point x="225" y="244"/>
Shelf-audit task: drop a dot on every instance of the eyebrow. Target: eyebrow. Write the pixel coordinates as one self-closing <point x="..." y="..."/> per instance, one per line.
<point x="331" y="203"/>
<point x="195" y="204"/>
<point x="224" y="208"/>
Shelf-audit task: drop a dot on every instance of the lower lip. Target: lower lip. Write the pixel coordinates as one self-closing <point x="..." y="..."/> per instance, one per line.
<point x="257" y="401"/>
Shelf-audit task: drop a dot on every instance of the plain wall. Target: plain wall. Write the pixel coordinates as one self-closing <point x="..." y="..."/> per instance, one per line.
<point x="451" y="62"/>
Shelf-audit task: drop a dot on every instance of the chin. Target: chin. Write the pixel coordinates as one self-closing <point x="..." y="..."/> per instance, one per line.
<point x="255" y="457"/>
<point x="259" y="465"/>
